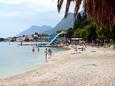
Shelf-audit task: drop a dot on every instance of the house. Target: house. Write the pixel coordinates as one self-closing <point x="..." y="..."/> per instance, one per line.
<point x="20" y="39"/>
<point x="28" y="37"/>
<point x="76" y="41"/>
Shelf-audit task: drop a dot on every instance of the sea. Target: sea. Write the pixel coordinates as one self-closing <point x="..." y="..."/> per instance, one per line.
<point x="15" y="59"/>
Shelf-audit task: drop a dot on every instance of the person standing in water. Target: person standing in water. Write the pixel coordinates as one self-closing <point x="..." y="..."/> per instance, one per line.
<point x="46" y="51"/>
<point x="21" y="43"/>
<point x="38" y="50"/>
<point x="33" y="49"/>
<point x="49" y="52"/>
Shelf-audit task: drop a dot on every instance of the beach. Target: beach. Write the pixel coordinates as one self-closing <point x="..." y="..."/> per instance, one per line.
<point x="92" y="67"/>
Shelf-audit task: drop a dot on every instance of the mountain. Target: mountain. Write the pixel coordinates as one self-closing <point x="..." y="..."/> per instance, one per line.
<point x="64" y="24"/>
<point x="33" y="29"/>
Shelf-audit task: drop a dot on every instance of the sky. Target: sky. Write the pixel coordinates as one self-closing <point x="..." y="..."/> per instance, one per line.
<point x="18" y="15"/>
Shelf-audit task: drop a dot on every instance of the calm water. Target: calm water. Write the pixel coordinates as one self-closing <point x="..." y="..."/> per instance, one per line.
<point x="15" y="59"/>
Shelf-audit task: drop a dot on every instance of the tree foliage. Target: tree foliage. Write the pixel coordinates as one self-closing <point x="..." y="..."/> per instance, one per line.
<point x="102" y="11"/>
<point x="90" y="30"/>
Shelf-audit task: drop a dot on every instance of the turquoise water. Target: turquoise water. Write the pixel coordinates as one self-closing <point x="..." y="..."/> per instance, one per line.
<point x="15" y="59"/>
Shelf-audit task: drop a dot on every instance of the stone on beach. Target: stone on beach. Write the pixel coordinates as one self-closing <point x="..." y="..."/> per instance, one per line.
<point x="67" y="69"/>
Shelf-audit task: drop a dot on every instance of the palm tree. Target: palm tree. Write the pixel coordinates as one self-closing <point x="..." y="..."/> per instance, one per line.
<point x="102" y="11"/>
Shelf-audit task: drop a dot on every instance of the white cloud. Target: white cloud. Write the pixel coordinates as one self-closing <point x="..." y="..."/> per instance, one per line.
<point x="26" y="6"/>
<point x="11" y="2"/>
<point x="31" y="2"/>
<point x="17" y="15"/>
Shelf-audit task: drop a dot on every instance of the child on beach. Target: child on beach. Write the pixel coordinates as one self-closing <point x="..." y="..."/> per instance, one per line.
<point x="76" y="50"/>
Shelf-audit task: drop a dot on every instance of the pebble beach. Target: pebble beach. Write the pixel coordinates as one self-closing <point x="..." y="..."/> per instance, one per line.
<point x="92" y="67"/>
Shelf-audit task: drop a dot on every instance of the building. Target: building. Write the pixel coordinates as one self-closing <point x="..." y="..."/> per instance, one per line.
<point x="76" y="41"/>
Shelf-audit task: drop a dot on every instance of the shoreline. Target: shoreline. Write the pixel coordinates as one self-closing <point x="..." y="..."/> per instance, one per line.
<point x="30" y="67"/>
<point x="67" y="62"/>
<point x="50" y="61"/>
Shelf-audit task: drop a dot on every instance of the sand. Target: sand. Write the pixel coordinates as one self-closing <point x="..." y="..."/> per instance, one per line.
<point x="92" y="67"/>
